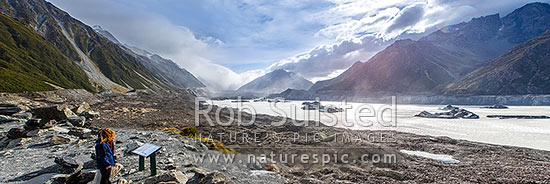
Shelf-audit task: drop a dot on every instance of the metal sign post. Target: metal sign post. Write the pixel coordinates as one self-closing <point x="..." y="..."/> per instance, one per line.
<point x="144" y="151"/>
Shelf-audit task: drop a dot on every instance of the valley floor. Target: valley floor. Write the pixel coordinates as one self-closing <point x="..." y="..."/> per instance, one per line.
<point x="137" y="118"/>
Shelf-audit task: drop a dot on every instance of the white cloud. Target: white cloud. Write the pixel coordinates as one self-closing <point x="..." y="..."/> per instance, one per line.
<point x="158" y="35"/>
<point x="326" y="61"/>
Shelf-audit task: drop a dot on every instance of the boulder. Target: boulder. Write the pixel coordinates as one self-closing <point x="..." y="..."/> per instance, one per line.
<point x="22" y="115"/>
<point x="15" y="133"/>
<point x="90" y="114"/>
<point x="33" y="124"/>
<point x="53" y="112"/>
<point x="82" y="133"/>
<point x="32" y="133"/>
<point x="4" y="142"/>
<point x="58" y="140"/>
<point x="68" y="164"/>
<point x="78" y="121"/>
<point x="85" y="177"/>
<point x="60" y="130"/>
<point x="15" y="142"/>
<point x="81" y="108"/>
<point x="172" y="176"/>
<point x="45" y="124"/>
<point x="132" y="146"/>
<point x="216" y="178"/>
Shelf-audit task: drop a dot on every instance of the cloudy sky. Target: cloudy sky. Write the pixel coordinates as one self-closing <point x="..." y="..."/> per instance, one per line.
<point x="226" y="43"/>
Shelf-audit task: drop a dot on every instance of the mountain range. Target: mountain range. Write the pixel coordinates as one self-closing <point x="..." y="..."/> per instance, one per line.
<point x="88" y="59"/>
<point x="428" y="65"/>
<point x="525" y="69"/>
<point x="164" y="69"/>
<point x="275" y="82"/>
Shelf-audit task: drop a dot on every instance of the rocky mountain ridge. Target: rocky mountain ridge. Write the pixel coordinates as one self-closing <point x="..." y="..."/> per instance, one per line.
<point x="423" y="66"/>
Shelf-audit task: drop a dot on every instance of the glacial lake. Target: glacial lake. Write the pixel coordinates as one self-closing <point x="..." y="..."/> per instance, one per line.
<point x="531" y="133"/>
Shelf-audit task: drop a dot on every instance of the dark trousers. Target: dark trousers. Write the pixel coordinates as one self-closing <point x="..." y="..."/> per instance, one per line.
<point x="105" y="174"/>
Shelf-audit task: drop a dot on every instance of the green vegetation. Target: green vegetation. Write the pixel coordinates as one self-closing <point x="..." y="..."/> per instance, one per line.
<point x="112" y="60"/>
<point x="27" y="61"/>
<point x="193" y="133"/>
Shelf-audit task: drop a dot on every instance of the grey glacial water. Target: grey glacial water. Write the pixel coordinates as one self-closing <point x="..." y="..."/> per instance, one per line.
<point x="531" y="133"/>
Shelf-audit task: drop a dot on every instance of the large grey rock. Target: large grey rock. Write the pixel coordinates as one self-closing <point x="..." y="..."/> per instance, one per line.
<point x="78" y="121"/>
<point x="82" y="133"/>
<point x="81" y="108"/>
<point x="33" y="124"/>
<point x="15" y="133"/>
<point x="90" y="114"/>
<point x="172" y="176"/>
<point x="15" y="142"/>
<point x="53" y="112"/>
<point x="32" y="133"/>
<point x="69" y="164"/>
<point x="132" y="146"/>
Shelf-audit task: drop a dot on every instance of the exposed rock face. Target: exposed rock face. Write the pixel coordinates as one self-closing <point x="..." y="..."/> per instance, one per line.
<point x="275" y="82"/>
<point x="522" y="70"/>
<point x="413" y="67"/>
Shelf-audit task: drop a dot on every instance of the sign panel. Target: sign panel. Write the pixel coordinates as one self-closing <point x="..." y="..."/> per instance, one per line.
<point x="146" y="150"/>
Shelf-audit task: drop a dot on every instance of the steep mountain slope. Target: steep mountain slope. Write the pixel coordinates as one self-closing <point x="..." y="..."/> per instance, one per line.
<point x="275" y="82"/>
<point x="105" y="63"/>
<point x="164" y="69"/>
<point x="442" y="57"/>
<point x="525" y="69"/>
<point x="28" y="62"/>
<point x="405" y="66"/>
<point x="105" y="34"/>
